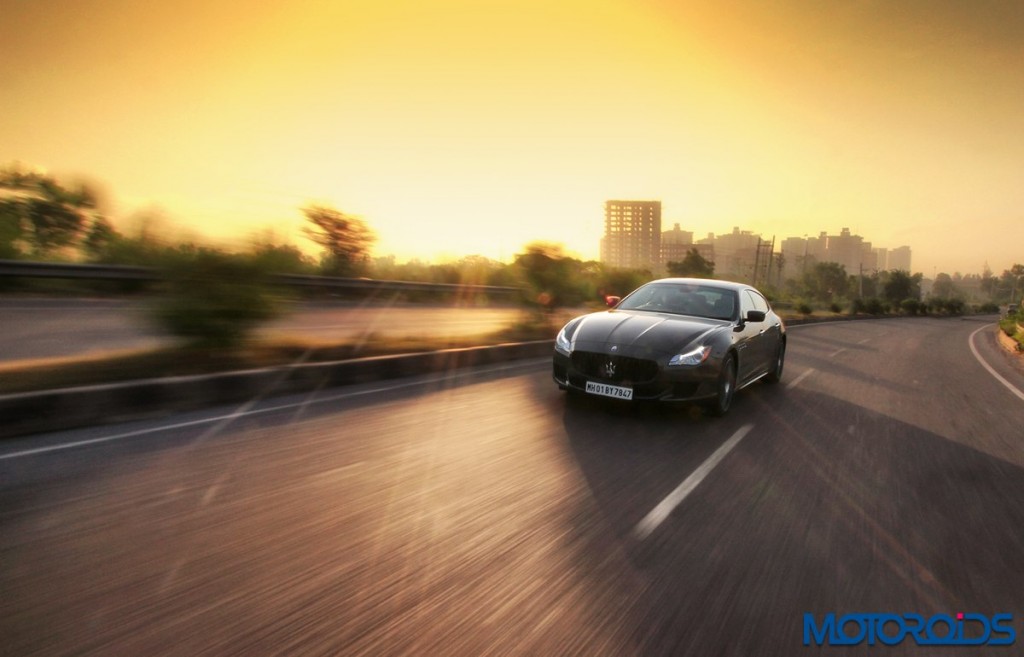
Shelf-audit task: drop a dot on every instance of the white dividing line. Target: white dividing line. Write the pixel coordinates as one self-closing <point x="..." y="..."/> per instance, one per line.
<point x="836" y="353"/>
<point x="1009" y="386"/>
<point x="259" y="411"/>
<point x="865" y="341"/>
<point x="795" y="382"/>
<point x="658" y="514"/>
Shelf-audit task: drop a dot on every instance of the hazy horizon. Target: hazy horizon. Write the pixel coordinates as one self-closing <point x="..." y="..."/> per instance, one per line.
<point x="461" y="128"/>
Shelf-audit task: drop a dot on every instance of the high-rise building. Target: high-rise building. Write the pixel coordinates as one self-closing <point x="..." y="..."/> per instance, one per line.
<point x="882" y="257"/>
<point x="847" y="250"/>
<point x="899" y="258"/>
<point x="675" y="244"/>
<point x="736" y="254"/>
<point x="632" y="234"/>
<point x="856" y="255"/>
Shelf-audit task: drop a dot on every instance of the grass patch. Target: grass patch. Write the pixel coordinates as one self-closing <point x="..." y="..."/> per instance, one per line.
<point x="1010" y="327"/>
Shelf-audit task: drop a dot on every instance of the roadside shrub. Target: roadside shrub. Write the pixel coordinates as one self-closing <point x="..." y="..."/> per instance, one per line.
<point x="835" y="307"/>
<point x="214" y="299"/>
<point x="874" y="306"/>
<point x="910" y="306"/>
<point x="987" y="308"/>
<point x="804" y="308"/>
<point x="947" y="306"/>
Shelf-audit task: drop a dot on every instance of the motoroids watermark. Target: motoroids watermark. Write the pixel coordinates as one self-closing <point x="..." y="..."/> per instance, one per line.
<point x="963" y="629"/>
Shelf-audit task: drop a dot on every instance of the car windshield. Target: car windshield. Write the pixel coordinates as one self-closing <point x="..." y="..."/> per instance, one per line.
<point x="683" y="299"/>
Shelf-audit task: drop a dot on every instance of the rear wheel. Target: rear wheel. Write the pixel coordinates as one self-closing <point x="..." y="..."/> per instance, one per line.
<point x="775" y="375"/>
<point x="726" y="387"/>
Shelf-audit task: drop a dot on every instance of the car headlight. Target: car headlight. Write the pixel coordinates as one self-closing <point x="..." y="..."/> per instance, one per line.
<point x="562" y="343"/>
<point x="692" y="357"/>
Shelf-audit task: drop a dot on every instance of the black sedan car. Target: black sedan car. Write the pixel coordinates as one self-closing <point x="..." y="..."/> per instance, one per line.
<point x="674" y="339"/>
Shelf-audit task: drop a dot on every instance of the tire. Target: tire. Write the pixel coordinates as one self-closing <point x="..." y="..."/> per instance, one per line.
<point x="726" y="388"/>
<point x="775" y="375"/>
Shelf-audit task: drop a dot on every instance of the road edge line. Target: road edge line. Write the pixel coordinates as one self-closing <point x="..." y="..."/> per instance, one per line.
<point x="999" y="377"/>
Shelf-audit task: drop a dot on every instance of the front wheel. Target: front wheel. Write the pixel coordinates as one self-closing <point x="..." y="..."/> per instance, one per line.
<point x="726" y="387"/>
<point x="775" y="375"/>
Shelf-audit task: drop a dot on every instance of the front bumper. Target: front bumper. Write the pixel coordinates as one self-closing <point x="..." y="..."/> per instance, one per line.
<point x="650" y="380"/>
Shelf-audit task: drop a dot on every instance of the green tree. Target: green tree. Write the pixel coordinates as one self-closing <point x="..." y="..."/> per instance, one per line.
<point x="346" y="240"/>
<point x="281" y="259"/>
<point x="693" y="265"/>
<point x="1011" y="285"/>
<point x="40" y="211"/>
<point x="213" y="299"/>
<point x="10" y="232"/>
<point x="553" y="277"/>
<point x="826" y="281"/>
<point x="900" y="285"/>
<point x="617" y="281"/>
<point x="943" y="286"/>
<point x="99" y="239"/>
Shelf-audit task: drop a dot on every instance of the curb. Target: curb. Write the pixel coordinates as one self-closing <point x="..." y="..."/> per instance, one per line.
<point x="71" y="408"/>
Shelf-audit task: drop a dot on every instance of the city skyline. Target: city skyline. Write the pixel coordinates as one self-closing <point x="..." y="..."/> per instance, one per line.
<point x="457" y="128"/>
<point x="634" y="238"/>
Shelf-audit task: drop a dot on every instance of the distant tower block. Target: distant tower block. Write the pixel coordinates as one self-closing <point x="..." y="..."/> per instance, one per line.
<point x="632" y="234"/>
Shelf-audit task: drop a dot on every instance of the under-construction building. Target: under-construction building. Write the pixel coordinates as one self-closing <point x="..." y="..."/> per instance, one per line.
<point x="632" y="234"/>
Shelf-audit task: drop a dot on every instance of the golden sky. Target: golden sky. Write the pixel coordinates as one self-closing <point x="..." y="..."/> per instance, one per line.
<point x="458" y="127"/>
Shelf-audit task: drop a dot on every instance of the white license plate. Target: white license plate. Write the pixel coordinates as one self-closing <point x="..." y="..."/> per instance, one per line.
<point x="617" y="392"/>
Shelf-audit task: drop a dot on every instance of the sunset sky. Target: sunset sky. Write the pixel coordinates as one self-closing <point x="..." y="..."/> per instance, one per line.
<point x="458" y="127"/>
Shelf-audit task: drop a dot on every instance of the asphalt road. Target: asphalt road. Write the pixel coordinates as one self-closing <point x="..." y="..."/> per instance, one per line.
<point x="483" y="513"/>
<point x="33" y="329"/>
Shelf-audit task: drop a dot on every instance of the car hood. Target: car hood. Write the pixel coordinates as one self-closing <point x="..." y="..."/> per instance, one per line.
<point x="641" y="330"/>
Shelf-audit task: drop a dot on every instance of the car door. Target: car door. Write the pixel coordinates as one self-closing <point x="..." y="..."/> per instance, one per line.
<point x="770" y="331"/>
<point x="749" y="344"/>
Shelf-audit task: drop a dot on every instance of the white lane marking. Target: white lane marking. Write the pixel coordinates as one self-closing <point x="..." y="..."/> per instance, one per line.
<point x="836" y="353"/>
<point x="1012" y="388"/>
<point x="658" y="514"/>
<point x="795" y="382"/>
<point x="865" y="341"/>
<point x="232" y="416"/>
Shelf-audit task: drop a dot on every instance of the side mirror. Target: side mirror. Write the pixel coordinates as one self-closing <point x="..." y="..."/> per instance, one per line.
<point x="755" y="315"/>
<point x="612" y="301"/>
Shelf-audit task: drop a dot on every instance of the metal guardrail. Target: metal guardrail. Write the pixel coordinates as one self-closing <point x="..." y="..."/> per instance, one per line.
<point x="26" y="269"/>
<point x="375" y="284"/>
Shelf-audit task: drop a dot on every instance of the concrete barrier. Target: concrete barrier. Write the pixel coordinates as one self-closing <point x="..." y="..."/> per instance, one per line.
<point x="69" y="408"/>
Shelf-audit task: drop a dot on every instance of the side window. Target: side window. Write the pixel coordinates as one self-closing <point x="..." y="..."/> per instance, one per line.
<point x="760" y="303"/>
<point x="746" y="303"/>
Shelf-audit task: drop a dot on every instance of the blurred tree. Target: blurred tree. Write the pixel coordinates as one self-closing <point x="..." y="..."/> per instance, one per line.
<point x="99" y="239"/>
<point x="213" y="299"/>
<point x="346" y="239"/>
<point x="552" y="276"/>
<point x="42" y="212"/>
<point x="281" y="259"/>
<point x="503" y="275"/>
<point x="694" y="265"/>
<point x="10" y="232"/>
<point x="616" y="281"/>
<point x="900" y="285"/>
<point x="826" y="281"/>
<point x="869" y="285"/>
<point x="943" y="286"/>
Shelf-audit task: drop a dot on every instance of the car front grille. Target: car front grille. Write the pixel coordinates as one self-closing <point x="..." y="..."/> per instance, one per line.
<point x="623" y="368"/>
